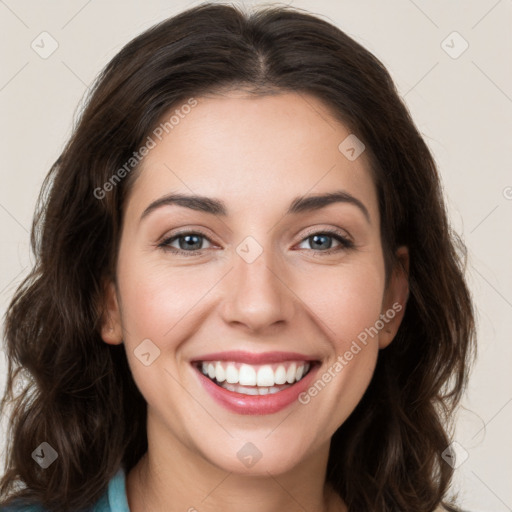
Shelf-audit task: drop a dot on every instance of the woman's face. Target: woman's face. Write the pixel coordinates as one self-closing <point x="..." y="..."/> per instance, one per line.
<point x="262" y="291"/>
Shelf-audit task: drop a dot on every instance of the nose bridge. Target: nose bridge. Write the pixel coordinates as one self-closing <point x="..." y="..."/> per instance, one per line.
<point x="256" y="294"/>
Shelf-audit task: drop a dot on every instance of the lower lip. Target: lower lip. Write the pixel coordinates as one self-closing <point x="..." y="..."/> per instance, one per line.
<point x="256" y="404"/>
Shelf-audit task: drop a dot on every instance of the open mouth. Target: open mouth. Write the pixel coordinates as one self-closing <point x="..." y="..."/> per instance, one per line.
<point x="249" y="379"/>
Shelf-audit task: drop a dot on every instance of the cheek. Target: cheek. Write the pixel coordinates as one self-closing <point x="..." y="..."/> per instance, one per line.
<point x="346" y="305"/>
<point x="158" y="305"/>
<point x="157" y="299"/>
<point x="346" y="301"/>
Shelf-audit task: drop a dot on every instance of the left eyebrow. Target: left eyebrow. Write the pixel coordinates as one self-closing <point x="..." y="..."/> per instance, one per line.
<point x="298" y="205"/>
<point x="316" y="202"/>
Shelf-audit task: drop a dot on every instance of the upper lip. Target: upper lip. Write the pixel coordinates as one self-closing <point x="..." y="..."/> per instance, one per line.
<point x="254" y="357"/>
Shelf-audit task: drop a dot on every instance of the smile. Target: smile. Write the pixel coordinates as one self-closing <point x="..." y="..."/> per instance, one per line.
<point x="253" y="380"/>
<point x="249" y="383"/>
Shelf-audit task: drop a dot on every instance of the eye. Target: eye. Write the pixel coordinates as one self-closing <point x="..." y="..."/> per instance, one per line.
<point x="189" y="243"/>
<point x="321" y="240"/>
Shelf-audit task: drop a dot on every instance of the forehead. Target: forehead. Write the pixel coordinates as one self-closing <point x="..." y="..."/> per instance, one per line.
<point x="252" y="151"/>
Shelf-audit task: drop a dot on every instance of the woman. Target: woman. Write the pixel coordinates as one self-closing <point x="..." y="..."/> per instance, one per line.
<point x="191" y="344"/>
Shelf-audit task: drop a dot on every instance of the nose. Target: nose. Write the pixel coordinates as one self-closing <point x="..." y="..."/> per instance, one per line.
<point x="256" y="295"/>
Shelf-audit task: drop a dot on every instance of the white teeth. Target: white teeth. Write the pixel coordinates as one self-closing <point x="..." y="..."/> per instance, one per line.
<point x="291" y="373"/>
<point x="236" y="388"/>
<point x="231" y="374"/>
<point x="280" y="375"/>
<point x="220" y="374"/>
<point x="247" y="375"/>
<point x="264" y="378"/>
<point x="251" y="391"/>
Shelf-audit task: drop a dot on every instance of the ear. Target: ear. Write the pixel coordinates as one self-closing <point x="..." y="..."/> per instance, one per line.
<point x="395" y="298"/>
<point x="111" y="328"/>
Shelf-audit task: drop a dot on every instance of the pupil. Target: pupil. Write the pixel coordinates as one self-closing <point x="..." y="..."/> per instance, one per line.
<point x="188" y="242"/>
<point x="316" y="237"/>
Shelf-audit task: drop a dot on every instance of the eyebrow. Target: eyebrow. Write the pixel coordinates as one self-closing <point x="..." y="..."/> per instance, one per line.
<point x="214" y="206"/>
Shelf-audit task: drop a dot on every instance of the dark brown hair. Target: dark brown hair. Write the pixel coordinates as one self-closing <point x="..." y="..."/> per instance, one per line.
<point x="81" y="397"/>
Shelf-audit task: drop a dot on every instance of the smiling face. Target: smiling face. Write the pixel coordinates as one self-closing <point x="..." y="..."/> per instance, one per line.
<point x="269" y="288"/>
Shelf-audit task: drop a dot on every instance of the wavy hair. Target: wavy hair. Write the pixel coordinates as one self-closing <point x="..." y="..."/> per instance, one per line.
<point x="80" y="396"/>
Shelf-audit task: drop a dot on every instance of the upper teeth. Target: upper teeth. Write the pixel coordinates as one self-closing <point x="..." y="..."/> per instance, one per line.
<point x="255" y="375"/>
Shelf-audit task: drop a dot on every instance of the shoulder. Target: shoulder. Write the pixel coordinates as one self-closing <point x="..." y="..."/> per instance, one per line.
<point x="113" y="500"/>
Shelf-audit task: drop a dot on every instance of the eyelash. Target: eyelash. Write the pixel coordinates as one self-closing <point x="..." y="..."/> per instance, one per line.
<point x="345" y="243"/>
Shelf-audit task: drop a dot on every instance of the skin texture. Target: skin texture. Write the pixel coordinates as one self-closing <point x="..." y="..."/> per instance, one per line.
<point x="256" y="155"/>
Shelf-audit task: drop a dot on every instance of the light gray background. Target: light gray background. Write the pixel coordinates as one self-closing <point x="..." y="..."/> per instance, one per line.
<point x="462" y="106"/>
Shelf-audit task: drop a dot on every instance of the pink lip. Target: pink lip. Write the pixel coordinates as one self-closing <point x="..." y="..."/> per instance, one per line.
<point x="259" y="404"/>
<point x="252" y="358"/>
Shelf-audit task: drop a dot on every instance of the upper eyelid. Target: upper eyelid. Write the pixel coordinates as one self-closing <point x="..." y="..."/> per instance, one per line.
<point x="329" y="231"/>
<point x="186" y="232"/>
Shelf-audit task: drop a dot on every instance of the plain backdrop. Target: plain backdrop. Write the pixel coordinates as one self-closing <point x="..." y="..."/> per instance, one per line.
<point x="458" y="87"/>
